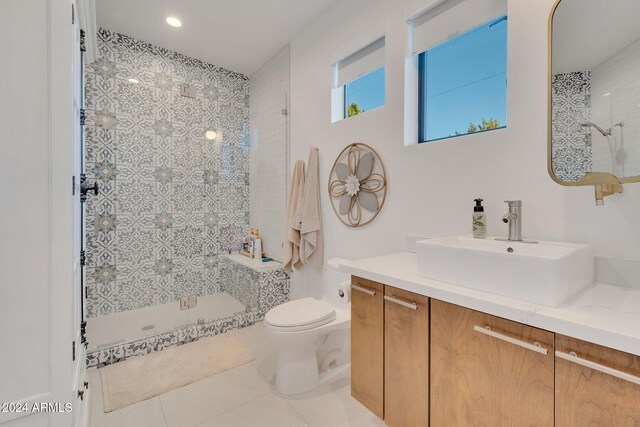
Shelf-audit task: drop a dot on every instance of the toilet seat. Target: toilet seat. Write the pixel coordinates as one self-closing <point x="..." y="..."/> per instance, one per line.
<point x="300" y="315"/>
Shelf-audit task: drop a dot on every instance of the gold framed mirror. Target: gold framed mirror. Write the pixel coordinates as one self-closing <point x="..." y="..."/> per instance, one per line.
<point x="594" y="94"/>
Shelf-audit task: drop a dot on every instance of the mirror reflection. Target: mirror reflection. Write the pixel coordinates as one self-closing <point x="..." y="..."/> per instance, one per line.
<point x="595" y="111"/>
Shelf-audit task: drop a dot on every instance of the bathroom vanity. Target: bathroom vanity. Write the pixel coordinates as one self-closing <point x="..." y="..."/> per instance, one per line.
<point x="428" y="352"/>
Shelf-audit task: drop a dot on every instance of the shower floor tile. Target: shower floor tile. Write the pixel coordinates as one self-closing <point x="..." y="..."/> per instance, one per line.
<point x="128" y="325"/>
<point x="244" y="396"/>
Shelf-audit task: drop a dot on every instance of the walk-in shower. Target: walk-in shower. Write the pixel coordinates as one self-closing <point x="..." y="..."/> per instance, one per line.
<point x="168" y="140"/>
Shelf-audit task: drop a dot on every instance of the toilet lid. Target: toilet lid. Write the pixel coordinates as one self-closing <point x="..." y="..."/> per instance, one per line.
<point x="305" y="312"/>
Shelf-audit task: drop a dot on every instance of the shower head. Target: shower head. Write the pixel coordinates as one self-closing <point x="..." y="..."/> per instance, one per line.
<point x="593" y="125"/>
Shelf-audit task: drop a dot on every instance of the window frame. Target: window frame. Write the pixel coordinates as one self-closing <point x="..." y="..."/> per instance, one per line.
<point x="421" y="59"/>
<point x="345" y="94"/>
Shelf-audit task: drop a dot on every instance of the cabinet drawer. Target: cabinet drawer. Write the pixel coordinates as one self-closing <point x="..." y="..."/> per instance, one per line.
<point x="406" y="360"/>
<point x="367" y="344"/>
<point x="489" y="371"/>
<point x="595" y="385"/>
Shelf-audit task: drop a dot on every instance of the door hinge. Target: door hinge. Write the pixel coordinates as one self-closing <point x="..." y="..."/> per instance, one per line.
<point x="73" y="351"/>
<point x="83" y="117"/>
<point x="83" y="332"/>
<point x="73" y="185"/>
<point x="83" y="46"/>
<point x="83" y="258"/>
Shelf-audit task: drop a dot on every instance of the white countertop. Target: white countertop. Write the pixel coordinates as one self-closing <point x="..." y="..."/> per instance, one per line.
<point x="253" y="263"/>
<point x="603" y="314"/>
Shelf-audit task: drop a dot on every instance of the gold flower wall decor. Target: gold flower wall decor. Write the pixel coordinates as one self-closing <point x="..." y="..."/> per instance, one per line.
<point x="357" y="185"/>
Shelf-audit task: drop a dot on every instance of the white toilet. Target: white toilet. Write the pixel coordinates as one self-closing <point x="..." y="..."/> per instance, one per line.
<point x="312" y="338"/>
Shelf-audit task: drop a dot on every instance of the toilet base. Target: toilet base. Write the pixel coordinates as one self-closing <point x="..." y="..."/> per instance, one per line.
<point x="297" y="368"/>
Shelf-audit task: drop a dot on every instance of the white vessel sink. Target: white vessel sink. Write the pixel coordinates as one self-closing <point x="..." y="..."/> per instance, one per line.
<point x="544" y="273"/>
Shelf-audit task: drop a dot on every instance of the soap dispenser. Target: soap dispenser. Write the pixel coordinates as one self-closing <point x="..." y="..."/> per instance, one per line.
<point x="479" y="220"/>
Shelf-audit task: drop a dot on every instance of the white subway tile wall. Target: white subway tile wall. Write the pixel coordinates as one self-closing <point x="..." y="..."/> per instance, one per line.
<point x="268" y="159"/>
<point x="618" y="76"/>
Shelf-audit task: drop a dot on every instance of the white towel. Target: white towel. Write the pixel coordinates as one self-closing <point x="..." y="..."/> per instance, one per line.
<point x="291" y="257"/>
<point x="311" y="226"/>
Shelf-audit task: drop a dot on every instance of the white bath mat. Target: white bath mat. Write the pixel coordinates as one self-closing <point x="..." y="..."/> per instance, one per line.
<point x="143" y="377"/>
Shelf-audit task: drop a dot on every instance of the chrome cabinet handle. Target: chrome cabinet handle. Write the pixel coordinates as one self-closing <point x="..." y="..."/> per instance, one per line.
<point x="363" y="289"/>
<point x="393" y="298"/>
<point x="573" y="357"/>
<point x="533" y="347"/>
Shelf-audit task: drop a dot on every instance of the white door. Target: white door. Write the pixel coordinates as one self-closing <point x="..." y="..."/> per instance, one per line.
<point x="81" y="386"/>
<point x="37" y="329"/>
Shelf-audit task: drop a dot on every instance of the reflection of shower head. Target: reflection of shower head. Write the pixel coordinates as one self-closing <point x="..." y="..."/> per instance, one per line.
<point x="591" y="124"/>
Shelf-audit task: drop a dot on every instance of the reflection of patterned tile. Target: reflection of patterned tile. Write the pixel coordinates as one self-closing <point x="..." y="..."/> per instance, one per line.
<point x="572" y="155"/>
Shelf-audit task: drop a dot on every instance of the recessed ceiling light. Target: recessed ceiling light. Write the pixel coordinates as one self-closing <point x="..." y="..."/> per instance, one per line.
<point x="174" y="22"/>
<point x="211" y="134"/>
<point x="134" y="81"/>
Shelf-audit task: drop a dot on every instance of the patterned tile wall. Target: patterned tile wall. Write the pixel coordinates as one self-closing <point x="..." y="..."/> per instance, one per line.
<point x="572" y="150"/>
<point x="170" y="200"/>
<point x="260" y="290"/>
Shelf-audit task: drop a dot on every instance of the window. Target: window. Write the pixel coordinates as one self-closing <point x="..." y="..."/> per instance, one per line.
<point x="364" y="94"/>
<point x="359" y="82"/>
<point x="462" y="83"/>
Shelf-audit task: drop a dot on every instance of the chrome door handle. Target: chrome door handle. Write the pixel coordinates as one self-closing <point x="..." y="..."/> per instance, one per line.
<point x="573" y="357"/>
<point x="363" y="289"/>
<point x="533" y="347"/>
<point x="394" y="299"/>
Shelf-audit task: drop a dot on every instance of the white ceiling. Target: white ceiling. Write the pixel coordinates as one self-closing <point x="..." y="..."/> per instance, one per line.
<point x="586" y="32"/>
<point x="239" y="35"/>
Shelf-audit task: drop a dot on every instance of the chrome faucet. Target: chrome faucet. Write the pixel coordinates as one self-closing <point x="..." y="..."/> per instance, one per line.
<point x="514" y="219"/>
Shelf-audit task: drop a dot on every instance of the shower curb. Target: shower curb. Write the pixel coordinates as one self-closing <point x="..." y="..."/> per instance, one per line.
<point x="122" y="351"/>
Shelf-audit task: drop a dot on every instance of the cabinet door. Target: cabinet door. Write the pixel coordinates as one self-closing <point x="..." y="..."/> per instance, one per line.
<point x="406" y="358"/>
<point x="488" y="371"/>
<point x="367" y="344"/>
<point x="595" y="386"/>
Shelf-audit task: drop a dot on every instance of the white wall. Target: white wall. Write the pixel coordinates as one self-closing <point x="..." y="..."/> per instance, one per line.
<point x="268" y="160"/>
<point x="432" y="186"/>
<point x="619" y="75"/>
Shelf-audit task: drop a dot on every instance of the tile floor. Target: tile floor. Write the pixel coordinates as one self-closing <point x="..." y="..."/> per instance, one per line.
<point x="243" y="397"/>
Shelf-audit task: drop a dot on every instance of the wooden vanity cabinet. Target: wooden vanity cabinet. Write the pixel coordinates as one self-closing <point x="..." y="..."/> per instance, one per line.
<point x="406" y="358"/>
<point x="488" y="371"/>
<point x="367" y="344"/>
<point x="595" y="385"/>
<point x="422" y="362"/>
